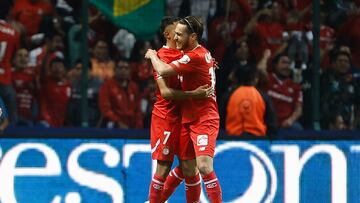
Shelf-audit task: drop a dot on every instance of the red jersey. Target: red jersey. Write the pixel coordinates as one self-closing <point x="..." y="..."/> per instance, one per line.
<point x="327" y="35"/>
<point x="167" y="109"/>
<point x="266" y="36"/>
<point x="54" y="100"/>
<point x="284" y="96"/>
<point x="9" y="42"/>
<point x="197" y="68"/>
<point x="121" y="104"/>
<point x="30" y="14"/>
<point x="24" y="85"/>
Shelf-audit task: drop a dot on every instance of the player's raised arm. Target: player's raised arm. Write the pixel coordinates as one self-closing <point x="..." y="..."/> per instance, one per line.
<point x="160" y="67"/>
<point x="201" y="92"/>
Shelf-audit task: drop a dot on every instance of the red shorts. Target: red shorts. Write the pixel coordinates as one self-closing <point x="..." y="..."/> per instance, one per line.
<point x="198" y="138"/>
<point x="164" y="138"/>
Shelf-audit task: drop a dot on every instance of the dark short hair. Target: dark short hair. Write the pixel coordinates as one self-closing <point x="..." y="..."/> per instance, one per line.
<point x="339" y="53"/>
<point x="193" y="24"/>
<point x="277" y="58"/>
<point x="166" y="21"/>
<point x="245" y="74"/>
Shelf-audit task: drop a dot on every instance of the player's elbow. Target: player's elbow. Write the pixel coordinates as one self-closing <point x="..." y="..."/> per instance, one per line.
<point x="166" y="71"/>
<point x="166" y="94"/>
<point x="162" y="72"/>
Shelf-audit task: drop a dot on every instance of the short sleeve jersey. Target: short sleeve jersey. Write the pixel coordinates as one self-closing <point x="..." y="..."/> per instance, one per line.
<point x="167" y="109"/>
<point x="9" y="42"/>
<point x="197" y="68"/>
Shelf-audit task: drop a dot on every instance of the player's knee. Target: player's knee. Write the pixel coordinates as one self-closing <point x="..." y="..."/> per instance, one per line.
<point x="189" y="168"/>
<point x="205" y="168"/>
<point x="163" y="168"/>
<point x="205" y="164"/>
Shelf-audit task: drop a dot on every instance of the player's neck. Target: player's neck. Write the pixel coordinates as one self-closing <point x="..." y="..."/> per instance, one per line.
<point x="170" y="44"/>
<point x="193" y="46"/>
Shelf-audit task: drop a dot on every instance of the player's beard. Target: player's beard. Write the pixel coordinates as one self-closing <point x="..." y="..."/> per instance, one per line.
<point x="182" y="45"/>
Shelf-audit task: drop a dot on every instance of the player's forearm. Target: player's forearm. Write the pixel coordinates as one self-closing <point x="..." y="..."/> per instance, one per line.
<point x="172" y="94"/>
<point x="161" y="68"/>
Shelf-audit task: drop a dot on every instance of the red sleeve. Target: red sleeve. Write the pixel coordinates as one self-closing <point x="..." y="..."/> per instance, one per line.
<point x="105" y="104"/>
<point x="187" y="64"/>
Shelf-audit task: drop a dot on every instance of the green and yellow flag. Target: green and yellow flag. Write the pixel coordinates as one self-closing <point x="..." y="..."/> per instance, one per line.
<point x="141" y="17"/>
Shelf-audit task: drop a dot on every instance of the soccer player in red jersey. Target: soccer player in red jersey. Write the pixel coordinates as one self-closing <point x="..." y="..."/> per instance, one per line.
<point x="200" y="118"/>
<point x="166" y="120"/>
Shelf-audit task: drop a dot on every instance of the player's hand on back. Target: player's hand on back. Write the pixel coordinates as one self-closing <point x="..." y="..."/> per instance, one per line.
<point x="150" y="53"/>
<point x="216" y="64"/>
<point x="203" y="92"/>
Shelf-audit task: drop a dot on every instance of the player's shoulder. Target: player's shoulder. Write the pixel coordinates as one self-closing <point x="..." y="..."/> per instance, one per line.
<point x="200" y="53"/>
<point x="168" y="50"/>
<point x="168" y="55"/>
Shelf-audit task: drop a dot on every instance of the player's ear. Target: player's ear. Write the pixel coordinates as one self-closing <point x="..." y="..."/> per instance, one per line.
<point x="166" y="34"/>
<point x="193" y="36"/>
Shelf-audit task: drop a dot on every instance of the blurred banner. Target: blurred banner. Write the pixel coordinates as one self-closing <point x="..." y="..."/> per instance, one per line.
<point x="119" y="170"/>
<point x="141" y="17"/>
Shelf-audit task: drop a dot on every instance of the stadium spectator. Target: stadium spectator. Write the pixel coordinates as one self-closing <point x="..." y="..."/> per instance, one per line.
<point x="30" y="13"/>
<point x="349" y="34"/>
<point x="340" y="87"/>
<point x="265" y="31"/>
<point x="41" y="57"/>
<point x="148" y="99"/>
<point x="9" y="43"/>
<point x="286" y="95"/>
<point x="327" y="39"/>
<point x="54" y="95"/>
<point x="228" y="27"/>
<point x="238" y="54"/>
<point x="119" y="99"/>
<point x="140" y="68"/>
<point x="299" y="39"/>
<point x="73" y="115"/>
<point x="101" y="62"/>
<point x="336" y="122"/>
<point x="249" y="112"/>
<point x="25" y="87"/>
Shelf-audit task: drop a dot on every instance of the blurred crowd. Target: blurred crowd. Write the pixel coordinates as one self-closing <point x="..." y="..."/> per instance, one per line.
<point x="42" y="86"/>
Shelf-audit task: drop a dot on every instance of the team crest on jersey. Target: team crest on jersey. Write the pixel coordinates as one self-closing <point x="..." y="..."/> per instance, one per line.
<point x="208" y="57"/>
<point x="165" y="151"/>
<point x="202" y="140"/>
<point x="184" y="60"/>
